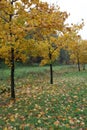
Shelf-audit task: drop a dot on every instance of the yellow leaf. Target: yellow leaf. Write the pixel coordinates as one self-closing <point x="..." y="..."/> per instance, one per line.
<point x="39" y="121"/>
<point x="56" y="123"/>
<point x="71" y="121"/>
<point x="12" y="118"/>
<point x="5" y="128"/>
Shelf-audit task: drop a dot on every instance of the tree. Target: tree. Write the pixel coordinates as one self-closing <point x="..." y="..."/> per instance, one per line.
<point x="49" y="49"/>
<point x="13" y="45"/>
<point x="51" y="23"/>
<point x="75" y="53"/>
<point x="79" y="53"/>
<point x="11" y="28"/>
<point x="83" y="53"/>
<point x="73" y="43"/>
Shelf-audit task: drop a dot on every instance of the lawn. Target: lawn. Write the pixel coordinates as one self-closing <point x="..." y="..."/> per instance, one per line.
<point x="41" y="106"/>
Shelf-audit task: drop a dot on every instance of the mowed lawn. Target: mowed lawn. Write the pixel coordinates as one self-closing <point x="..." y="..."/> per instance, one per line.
<point x="40" y="105"/>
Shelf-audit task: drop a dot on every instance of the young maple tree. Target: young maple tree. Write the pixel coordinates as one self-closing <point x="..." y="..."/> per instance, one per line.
<point x="80" y="53"/>
<point x="49" y="50"/>
<point x="15" y="22"/>
<point x="12" y="33"/>
<point x="73" y="43"/>
<point x="50" y="23"/>
<point x="83" y="58"/>
<point x="47" y="38"/>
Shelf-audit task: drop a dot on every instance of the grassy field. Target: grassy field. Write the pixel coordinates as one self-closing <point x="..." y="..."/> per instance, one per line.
<point x="41" y="106"/>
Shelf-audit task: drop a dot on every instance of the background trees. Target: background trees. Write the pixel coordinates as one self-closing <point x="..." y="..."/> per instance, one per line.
<point x="83" y="53"/>
<point x="74" y="44"/>
<point x="64" y="57"/>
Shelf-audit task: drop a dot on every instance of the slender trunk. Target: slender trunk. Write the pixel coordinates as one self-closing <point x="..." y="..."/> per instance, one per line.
<point x="51" y="69"/>
<point x="78" y="64"/>
<point x="12" y="74"/>
<point x="51" y="74"/>
<point x="12" y="57"/>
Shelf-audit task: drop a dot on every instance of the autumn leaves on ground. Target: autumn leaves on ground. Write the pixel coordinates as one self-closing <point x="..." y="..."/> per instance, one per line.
<point x="41" y="106"/>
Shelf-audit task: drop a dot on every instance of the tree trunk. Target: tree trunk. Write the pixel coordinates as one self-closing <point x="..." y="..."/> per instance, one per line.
<point x="78" y="64"/>
<point x="51" y="69"/>
<point x="12" y="74"/>
<point x="51" y="74"/>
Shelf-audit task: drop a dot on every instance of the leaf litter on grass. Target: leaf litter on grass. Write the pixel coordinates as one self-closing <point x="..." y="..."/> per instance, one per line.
<point x="40" y="105"/>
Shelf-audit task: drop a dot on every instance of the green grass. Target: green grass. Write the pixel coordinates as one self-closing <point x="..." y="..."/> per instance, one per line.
<point x="41" y="106"/>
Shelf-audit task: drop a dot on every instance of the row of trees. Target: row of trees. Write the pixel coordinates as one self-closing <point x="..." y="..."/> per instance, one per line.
<point x="30" y="27"/>
<point x="77" y="47"/>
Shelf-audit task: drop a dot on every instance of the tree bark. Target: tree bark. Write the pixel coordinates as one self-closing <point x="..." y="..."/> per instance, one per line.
<point x="12" y="74"/>
<point x="51" y="74"/>
<point x="51" y="68"/>
<point x="78" y="64"/>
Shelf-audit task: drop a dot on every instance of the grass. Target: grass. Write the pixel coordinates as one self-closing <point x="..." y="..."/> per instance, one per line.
<point x="41" y="106"/>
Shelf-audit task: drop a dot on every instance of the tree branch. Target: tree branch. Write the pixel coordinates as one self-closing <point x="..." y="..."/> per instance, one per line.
<point x="4" y="18"/>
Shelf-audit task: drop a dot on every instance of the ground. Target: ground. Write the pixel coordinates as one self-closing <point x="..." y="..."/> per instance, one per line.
<point x="42" y="106"/>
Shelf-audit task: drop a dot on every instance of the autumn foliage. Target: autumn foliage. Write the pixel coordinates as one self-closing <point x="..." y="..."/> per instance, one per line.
<point x="33" y="28"/>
